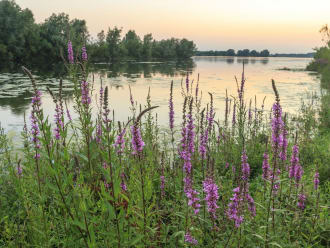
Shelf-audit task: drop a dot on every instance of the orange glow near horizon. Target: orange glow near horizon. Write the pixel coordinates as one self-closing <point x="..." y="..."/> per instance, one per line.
<point x="280" y="26"/>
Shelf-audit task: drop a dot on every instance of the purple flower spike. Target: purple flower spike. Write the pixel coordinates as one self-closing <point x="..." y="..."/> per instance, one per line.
<point x="189" y="239"/>
<point x="58" y="122"/>
<point x="245" y="167"/>
<point x="137" y="142"/>
<point x="233" y="212"/>
<point x="277" y="127"/>
<point x="316" y="180"/>
<point x="84" y="53"/>
<point x="70" y="53"/>
<point x="211" y="190"/>
<point x="122" y="184"/>
<point x="301" y="201"/>
<point x="265" y="167"/>
<point x="120" y="142"/>
<point x="171" y="114"/>
<point x="251" y="205"/>
<point x="85" y="98"/>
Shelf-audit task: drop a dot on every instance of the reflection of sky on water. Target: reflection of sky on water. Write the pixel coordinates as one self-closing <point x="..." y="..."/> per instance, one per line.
<point x="216" y="75"/>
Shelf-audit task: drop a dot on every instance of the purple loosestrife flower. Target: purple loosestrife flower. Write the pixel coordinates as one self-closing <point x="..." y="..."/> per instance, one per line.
<point x="122" y="184"/>
<point x="251" y="204"/>
<point x="190" y="134"/>
<point x="120" y="142"/>
<point x="84" y="53"/>
<point x="193" y="200"/>
<point x="245" y="167"/>
<point x="202" y="144"/>
<point x="274" y="178"/>
<point x="70" y="53"/>
<point x="36" y="100"/>
<point x="233" y="211"/>
<point x="171" y="114"/>
<point x="137" y="142"/>
<point x="301" y="201"/>
<point x="106" y="110"/>
<point x="186" y="154"/>
<point x="294" y="161"/>
<point x="277" y="127"/>
<point x="98" y="135"/>
<point x="58" y="122"/>
<point x="265" y="167"/>
<point x="299" y="171"/>
<point x="189" y="239"/>
<point x="316" y="180"/>
<point x="85" y="98"/>
<point x="211" y="190"/>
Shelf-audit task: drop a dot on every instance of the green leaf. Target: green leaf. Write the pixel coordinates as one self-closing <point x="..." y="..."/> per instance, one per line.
<point x="259" y="236"/>
<point x="79" y="224"/>
<point x="275" y="244"/>
<point x="136" y="240"/>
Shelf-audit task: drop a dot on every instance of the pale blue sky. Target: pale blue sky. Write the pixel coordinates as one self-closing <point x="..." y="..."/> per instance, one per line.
<point x="279" y="25"/>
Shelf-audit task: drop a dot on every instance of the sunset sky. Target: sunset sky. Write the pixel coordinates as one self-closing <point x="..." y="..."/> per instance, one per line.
<point x="278" y="25"/>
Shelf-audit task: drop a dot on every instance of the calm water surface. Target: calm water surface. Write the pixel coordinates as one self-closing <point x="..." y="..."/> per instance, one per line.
<point x="216" y="75"/>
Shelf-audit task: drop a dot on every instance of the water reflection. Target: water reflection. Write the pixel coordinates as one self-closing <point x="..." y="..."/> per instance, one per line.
<point x="231" y="60"/>
<point x="216" y="75"/>
<point x="145" y="69"/>
<point x="16" y="89"/>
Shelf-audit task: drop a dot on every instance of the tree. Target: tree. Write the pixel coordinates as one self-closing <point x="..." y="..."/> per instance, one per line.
<point x="264" y="53"/>
<point x="101" y="38"/>
<point x="185" y="49"/>
<point x="230" y="52"/>
<point x="243" y="53"/>
<point x="254" y="53"/>
<point x="18" y="31"/>
<point x="132" y="44"/>
<point x="147" y="46"/>
<point x="55" y="33"/>
<point x="113" y="43"/>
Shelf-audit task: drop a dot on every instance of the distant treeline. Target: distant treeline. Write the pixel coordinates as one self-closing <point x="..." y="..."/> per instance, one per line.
<point x="24" y="41"/>
<point x="252" y="53"/>
<point x="231" y="52"/>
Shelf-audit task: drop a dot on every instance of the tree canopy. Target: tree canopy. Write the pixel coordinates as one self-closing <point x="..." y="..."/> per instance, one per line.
<point x="24" y="41"/>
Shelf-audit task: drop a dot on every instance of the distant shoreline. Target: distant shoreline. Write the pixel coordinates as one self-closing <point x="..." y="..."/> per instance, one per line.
<point x="282" y="55"/>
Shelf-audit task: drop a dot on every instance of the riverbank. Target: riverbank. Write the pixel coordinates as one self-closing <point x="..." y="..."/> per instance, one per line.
<point x="89" y="180"/>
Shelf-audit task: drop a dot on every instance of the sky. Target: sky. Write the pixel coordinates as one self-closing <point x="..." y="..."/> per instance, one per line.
<point x="281" y="26"/>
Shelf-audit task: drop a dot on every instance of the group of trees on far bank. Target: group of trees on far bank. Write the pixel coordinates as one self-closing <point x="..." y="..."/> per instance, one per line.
<point x="111" y="46"/>
<point x="24" y="41"/>
<point x="232" y="52"/>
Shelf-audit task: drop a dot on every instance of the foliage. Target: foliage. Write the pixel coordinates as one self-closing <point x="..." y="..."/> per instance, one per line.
<point x="47" y="42"/>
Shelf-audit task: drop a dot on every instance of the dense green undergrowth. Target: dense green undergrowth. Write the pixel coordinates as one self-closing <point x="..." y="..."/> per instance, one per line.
<point x="256" y="179"/>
